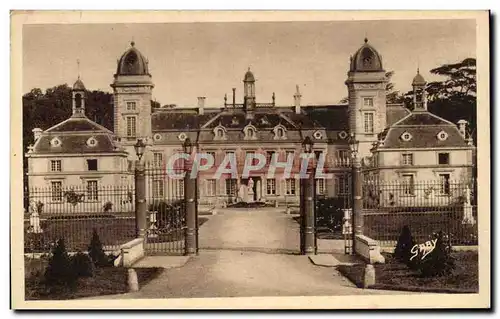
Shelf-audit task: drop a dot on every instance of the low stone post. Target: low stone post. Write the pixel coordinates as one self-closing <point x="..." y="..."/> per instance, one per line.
<point x="133" y="282"/>
<point x="369" y="277"/>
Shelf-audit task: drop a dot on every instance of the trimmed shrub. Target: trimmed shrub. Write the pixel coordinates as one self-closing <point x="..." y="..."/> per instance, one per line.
<point x="439" y="261"/>
<point x="59" y="271"/>
<point x="402" y="252"/>
<point x="82" y="265"/>
<point x="96" y="253"/>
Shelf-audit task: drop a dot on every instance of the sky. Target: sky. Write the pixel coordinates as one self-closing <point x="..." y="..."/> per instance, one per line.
<point x="187" y="60"/>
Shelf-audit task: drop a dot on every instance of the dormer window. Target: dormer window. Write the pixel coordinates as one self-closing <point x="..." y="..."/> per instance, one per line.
<point x="318" y="135"/>
<point x="279" y="133"/>
<point x="55" y="142"/>
<point x="442" y="136"/>
<point x="343" y="135"/>
<point x="250" y="132"/>
<point x="220" y="133"/>
<point x="182" y="137"/>
<point x="92" y="142"/>
<point x="406" y="136"/>
<point x="157" y="136"/>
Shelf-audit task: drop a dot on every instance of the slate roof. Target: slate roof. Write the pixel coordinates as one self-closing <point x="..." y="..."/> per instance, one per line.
<point x="238" y="120"/>
<point x="395" y="112"/>
<point x="74" y="134"/>
<point x="331" y="117"/>
<point x="182" y="121"/>
<point x="422" y="118"/>
<point x="78" y="123"/>
<point x="74" y="144"/>
<point x="424" y="128"/>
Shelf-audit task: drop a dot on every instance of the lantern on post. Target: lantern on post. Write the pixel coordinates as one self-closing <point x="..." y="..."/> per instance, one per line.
<point x="191" y="203"/>
<point x="140" y="190"/>
<point x="188" y="146"/>
<point x="353" y="145"/>
<point x="357" y="190"/>
<point x="307" y="145"/>
<point x="140" y="147"/>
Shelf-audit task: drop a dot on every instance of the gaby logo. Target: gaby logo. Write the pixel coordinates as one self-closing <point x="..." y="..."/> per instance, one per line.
<point x="235" y="166"/>
<point x="425" y="248"/>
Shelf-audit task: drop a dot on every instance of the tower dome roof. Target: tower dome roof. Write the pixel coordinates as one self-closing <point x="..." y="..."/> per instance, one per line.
<point x="132" y="62"/>
<point x="418" y="79"/>
<point x="249" y="76"/>
<point x="78" y="86"/>
<point x="366" y="59"/>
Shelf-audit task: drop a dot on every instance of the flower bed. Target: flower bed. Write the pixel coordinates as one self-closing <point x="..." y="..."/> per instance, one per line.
<point x="106" y="281"/>
<point x="394" y="275"/>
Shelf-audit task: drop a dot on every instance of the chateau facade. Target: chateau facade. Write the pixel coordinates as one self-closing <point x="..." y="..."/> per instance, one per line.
<point x="394" y="142"/>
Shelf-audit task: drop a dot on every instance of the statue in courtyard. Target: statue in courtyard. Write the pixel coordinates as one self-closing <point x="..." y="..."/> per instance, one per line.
<point x="250" y="192"/>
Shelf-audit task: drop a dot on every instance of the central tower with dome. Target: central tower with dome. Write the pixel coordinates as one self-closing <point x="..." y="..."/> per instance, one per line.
<point x="366" y="82"/>
<point x="132" y="88"/>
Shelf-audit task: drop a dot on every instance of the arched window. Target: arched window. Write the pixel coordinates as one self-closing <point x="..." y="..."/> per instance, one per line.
<point x="250" y="133"/>
<point x="78" y="101"/>
<point x="279" y="132"/>
<point x="219" y="133"/>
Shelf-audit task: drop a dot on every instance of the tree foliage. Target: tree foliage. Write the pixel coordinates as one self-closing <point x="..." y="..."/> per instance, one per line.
<point x="46" y="109"/>
<point x="454" y="97"/>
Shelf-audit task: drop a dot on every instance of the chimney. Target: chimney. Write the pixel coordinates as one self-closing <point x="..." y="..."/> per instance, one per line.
<point x="234" y="97"/>
<point x="462" y="127"/>
<point x="37" y="132"/>
<point x="201" y="105"/>
<point x="297" y="96"/>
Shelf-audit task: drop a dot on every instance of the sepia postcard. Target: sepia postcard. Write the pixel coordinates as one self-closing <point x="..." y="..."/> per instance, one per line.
<point x="250" y="160"/>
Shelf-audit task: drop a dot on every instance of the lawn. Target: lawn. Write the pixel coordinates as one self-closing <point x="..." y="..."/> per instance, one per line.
<point x="106" y="281"/>
<point x="395" y="275"/>
<point x="387" y="226"/>
<point x="78" y="232"/>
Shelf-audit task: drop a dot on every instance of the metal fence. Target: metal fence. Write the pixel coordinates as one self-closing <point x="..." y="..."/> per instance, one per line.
<point x="333" y="213"/>
<point x="426" y="207"/>
<point x="166" y="211"/>
<point x="74" y="213"/>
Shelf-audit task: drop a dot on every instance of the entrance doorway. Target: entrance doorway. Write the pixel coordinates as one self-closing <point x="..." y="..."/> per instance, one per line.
<point x="252" y="189"/>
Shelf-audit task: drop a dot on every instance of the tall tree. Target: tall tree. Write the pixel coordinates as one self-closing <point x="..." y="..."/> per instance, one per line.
<point x="454" y="97"/>
<point x="44" y="110"/>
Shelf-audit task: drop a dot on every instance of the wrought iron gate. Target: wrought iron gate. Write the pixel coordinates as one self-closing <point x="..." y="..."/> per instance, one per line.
<point x="166" y="217"/>
<point x="333" y="214"/>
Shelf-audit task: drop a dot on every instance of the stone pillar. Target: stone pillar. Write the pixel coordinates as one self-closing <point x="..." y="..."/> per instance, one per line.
<point x="308" y="218"/>
<point x="191" y="233"/>
<point x="357" y="205"/>
<point x="140" y="200"/>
